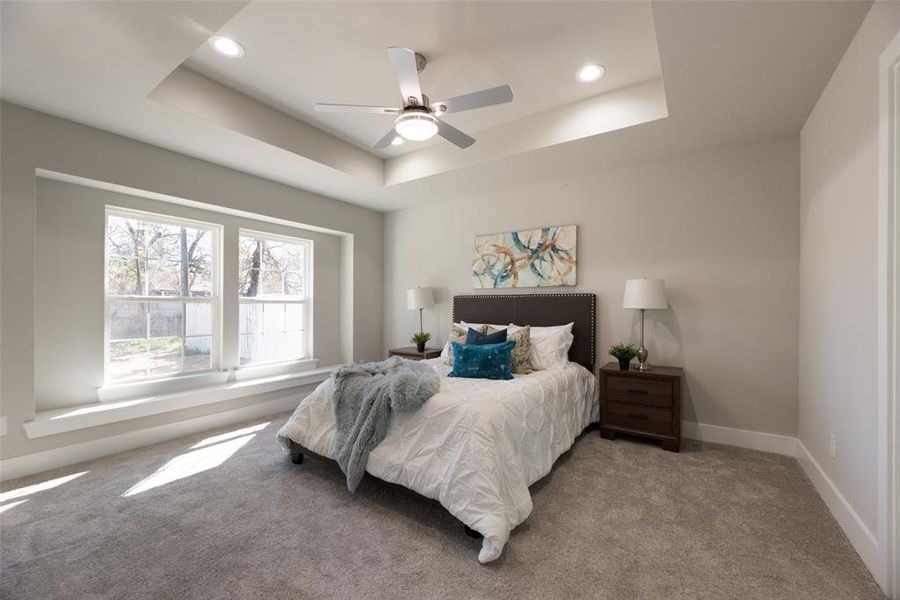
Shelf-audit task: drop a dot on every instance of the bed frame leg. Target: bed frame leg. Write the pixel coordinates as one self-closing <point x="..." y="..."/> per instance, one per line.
<point x="296" y="454"/>
<point x="471" y="532"/>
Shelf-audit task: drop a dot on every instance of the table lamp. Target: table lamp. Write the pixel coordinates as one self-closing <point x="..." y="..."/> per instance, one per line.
<point x="644" y="294"/>
<point x="419" y="299"/>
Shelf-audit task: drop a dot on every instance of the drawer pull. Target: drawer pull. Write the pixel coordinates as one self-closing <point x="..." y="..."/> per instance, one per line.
<point x="638" y="392"/>
<point x="638" y="417"/>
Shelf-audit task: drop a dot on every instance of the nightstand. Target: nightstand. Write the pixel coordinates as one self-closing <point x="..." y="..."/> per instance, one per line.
<point x="642" y="403"/>
<point x="411" y="353"/>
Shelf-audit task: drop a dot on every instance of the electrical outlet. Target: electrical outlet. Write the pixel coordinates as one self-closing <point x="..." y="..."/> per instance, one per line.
<point x="2" y="426"/>
<point x="832" y="445"/>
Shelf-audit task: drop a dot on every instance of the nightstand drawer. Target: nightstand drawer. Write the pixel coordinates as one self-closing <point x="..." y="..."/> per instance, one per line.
<point x="649" y="419"/>
<point x="636" y="391"/>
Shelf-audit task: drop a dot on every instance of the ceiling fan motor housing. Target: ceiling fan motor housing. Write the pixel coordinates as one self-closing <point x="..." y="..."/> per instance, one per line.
<point x="413" y="104"/>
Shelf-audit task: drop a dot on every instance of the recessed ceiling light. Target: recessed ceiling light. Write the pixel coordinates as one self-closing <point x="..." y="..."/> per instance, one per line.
<point x="397" y="141"/>
<point x="226" y="46"/>
<point x="590" y="73"/>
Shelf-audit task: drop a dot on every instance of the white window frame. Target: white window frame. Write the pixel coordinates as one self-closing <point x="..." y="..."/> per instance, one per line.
<point x="214" y="300"/>
<point x="306" y="301"/>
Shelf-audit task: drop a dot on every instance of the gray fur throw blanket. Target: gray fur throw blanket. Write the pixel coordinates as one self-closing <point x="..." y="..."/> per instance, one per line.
<point x="364" y="396"/>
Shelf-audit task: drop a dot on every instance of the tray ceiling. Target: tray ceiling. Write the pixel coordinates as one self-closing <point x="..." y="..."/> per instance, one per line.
<point x="304" y="52"/>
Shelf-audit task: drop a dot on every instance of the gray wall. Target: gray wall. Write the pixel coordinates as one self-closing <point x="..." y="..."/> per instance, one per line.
<point x="32" y="140"/>
<point x="838" y="268"/>
<point x="719" y="227"/>
<point x="69" y="281"/>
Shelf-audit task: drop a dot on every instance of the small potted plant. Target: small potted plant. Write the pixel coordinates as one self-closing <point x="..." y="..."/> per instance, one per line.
<point x="420" y="340"/>
<point x="623" y="353"/>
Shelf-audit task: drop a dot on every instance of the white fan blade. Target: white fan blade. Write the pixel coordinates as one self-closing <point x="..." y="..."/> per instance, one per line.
<point x="454" y="135"/>
<point x="403" y="60"/>
<point x="488" y="97"/>
<point x="386" y="140"/>
<point x="356" y="108"/>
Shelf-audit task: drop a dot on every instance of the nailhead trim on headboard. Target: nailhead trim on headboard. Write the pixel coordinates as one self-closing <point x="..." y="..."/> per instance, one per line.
<point x="592" y="297"/>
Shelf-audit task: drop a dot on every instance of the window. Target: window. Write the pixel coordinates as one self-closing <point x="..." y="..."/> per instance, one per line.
<point x="164" y="310"/>
<point x="274" y="280"/>
<point x="161" y="296"/>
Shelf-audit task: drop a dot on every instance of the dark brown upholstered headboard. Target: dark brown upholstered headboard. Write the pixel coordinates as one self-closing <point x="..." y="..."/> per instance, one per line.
<point x="540" y="310"/>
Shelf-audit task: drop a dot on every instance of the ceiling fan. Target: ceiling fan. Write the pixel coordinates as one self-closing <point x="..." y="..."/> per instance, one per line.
<point x="417" y="118"/>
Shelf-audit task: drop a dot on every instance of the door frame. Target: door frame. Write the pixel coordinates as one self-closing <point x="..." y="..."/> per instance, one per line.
<point x="888" y="453"/>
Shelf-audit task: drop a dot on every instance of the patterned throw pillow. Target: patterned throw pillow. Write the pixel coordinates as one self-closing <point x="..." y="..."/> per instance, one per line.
<point x="458" y="334"/>
<point x="521" y="354"/>
<point x="486" y="361"/>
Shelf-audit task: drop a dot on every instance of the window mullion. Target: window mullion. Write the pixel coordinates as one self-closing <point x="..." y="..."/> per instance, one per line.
<point x="147" y="340"/>
<point x="184" y="318"/>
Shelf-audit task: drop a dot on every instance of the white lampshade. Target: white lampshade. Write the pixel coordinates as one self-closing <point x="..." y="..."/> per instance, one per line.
<point x="417" y="298"/>
<point x="645" y="293"/>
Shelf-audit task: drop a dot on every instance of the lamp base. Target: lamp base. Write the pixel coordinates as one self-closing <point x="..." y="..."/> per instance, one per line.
<point x="642" y="355"/>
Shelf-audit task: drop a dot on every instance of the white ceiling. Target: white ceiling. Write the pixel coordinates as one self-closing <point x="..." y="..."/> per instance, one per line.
<point x="304" y="52"/>
<point x="733" y="72"/>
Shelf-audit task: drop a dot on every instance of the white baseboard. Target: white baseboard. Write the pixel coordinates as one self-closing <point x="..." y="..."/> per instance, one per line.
<point x="862" y="538"/>
<point x="742" y="438"/>
<point x="29" y="464"/>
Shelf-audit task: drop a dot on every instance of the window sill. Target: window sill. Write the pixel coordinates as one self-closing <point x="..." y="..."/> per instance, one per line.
<point x="130" y="390"/>
<point x="52" y="422"/>
<point x="179" y="384"/>
<point x="252" y="372"/>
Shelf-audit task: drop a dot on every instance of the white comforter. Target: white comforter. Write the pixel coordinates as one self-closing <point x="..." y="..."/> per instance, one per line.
<point x="475" y="447"/>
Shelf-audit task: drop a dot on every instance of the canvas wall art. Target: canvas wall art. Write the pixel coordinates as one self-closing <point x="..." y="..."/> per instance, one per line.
<point x="531" y="258"/>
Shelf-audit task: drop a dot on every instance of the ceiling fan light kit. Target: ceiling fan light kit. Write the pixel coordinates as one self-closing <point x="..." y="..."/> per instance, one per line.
<point x="418" y="117"/>
<point x="416" y="125"/>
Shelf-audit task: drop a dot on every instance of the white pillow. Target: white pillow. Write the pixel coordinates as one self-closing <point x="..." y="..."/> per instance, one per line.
<point x="547" y="330"/>
<point x="549" y="346"/>
<point x="445" y="351"/>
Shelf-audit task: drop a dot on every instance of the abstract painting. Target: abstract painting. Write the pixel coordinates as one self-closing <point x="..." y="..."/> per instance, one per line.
<point x="531" y="258"/>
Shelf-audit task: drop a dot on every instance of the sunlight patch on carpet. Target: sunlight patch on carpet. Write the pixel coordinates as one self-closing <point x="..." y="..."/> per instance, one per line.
<point x="39" y="487"/>
<point x="229" y="435"/>
<point x="6" y="507"/>
<point x="190" y="463"/>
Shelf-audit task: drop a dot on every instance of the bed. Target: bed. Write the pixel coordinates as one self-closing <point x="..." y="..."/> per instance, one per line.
<point x="479" y="444"/>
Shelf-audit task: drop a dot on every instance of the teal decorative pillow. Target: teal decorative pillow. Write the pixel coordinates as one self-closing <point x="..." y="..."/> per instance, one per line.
<point x="487" y="361"/>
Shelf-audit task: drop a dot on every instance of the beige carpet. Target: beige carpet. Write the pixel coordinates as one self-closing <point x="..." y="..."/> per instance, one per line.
<point x="616" y="520"/>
